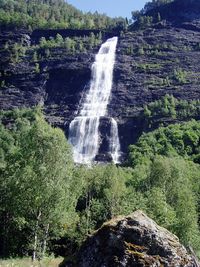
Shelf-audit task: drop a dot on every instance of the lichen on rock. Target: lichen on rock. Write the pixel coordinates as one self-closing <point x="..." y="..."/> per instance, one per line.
<point x="134" y="240"/>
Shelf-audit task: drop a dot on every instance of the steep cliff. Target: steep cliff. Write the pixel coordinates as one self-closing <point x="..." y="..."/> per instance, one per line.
<point x="150" y="63"/>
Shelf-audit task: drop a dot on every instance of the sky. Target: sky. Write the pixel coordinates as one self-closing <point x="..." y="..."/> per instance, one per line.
<point x="113" y="8"/>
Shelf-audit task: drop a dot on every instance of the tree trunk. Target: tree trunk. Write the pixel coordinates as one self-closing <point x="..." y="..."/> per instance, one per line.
<point x="45" y="240"/>
<point x="36" y="237"/>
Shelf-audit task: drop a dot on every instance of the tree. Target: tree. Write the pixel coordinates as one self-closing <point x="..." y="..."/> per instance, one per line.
<point x="91" y="40"/>
<point x="173" y="140"/>
<point x="42" y="42"/>
<point x="37" y="67"/>
<point x="158" y="17"/>
<point x="80" y="46"/>
<point x="135" y="15"/>
<point x="173" y="196"/>
<point x="102" y="196"/>
<point x="68" y="44"/>
<point x="35" y="56"/>
<point x="59" y="39"/>
<point x="158" y="208"/>
<point x="114" y="189"/>
<point x="48" y="171"/>
<point x="47" y="53"/>
<point x="147" y="112"/>
<point x="38" y="178"/>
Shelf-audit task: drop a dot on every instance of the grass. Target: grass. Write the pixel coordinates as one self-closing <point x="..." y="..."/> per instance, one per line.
<point x="27" y="262"/>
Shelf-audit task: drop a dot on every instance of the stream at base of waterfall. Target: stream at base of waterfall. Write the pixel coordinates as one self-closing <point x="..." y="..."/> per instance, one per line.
<point x="84" y="129"/>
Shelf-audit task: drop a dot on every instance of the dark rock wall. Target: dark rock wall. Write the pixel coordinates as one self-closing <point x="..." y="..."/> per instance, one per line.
<point x="141" y="77"/>
<point x="144" y="72"/>
<point x="178" y="12"/>
<point x="65" y="87"/>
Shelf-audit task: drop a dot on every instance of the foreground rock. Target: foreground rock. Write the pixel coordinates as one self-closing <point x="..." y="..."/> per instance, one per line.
<point x="135" y="240"/>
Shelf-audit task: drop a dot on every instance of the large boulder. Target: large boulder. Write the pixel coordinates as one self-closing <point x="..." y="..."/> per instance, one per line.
<point x="135" y="240"/>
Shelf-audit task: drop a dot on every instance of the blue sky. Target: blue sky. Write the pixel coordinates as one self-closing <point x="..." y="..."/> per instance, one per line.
<point x="112" y="8"/>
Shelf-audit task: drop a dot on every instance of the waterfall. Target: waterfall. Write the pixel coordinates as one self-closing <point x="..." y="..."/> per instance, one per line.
<point x="84" y="129"/>
<point x="114" y="142"/>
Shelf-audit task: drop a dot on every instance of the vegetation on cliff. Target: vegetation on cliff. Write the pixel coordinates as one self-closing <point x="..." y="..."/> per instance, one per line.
<point x="171" y="107"/>
<point x="167" y="11"/>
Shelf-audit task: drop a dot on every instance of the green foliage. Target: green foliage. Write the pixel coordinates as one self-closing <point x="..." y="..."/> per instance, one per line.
<point x="27" y="262"/>
<point x="140" y="51"/>
<point x="36" y="179"/>
<point x="35" y="56"/>
<point x="168" y="189"/>
<point x="159" y="209"/>
<point x="2" y="83"/>
<point x="142" y="19"/>
<point x="145" y="21"/>
<point x="102" y="195"/>
<point x="53" y="14"/>
<point x="44" y="197"/>
<point x="173" y="196"/>
<point x="180" y="76"/>
<point x="59" y="39"/>
<point x="47" y="53"/>
<point x="17" y="51"/>
<point x="173" y="140"/>
<point x="165" y="107"/>
<point x="170" y="107"/>
<point x="37" y="68"/>
<point x="147" y="112"/>
<point x="129" y="50"/>
<point x="71" y="45"/>
<point x="146" y="66"/>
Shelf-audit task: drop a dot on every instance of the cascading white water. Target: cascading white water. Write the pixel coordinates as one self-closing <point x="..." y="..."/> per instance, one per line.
<point x="114" y="142"/>
<point x="83" y="130"/>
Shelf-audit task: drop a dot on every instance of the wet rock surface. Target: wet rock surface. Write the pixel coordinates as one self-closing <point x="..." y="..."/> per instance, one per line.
<point x="134" y="240"/>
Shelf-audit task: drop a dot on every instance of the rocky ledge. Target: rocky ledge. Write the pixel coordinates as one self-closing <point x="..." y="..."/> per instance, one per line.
<point x="135" y="240"/>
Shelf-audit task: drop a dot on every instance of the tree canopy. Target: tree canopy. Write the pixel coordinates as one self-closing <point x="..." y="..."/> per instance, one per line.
<point x="36" y="178"/>
<point x="45" y="198"/>
<point x="52" y="14"/>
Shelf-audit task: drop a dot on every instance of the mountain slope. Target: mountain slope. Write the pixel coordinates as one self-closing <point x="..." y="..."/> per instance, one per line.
<point x="151" y="62"/>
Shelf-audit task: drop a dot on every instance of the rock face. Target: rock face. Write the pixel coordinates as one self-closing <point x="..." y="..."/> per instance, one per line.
<point x="178" y="12"/>
<point x="135" y="240"/>
<point x="149" y="63"/>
